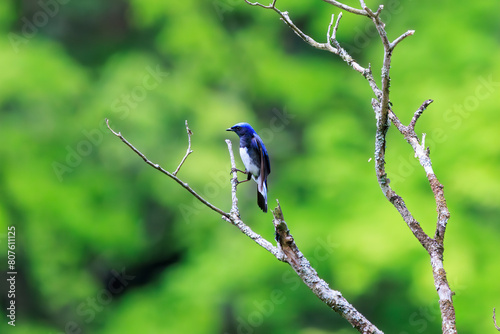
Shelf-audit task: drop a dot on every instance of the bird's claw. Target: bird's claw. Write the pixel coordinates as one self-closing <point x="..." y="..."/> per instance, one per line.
<point x="237" y="170"/>
<point x="238" y="182"/>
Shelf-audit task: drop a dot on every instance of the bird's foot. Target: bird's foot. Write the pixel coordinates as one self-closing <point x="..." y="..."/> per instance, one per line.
<point x="238" y="182"/>
<point x="237" y="170"/>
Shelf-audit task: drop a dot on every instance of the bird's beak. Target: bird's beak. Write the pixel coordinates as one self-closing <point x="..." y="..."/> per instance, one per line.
<point x="229" y="129"/>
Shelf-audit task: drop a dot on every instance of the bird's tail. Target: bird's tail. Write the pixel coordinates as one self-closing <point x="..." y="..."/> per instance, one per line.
<point x="262" y="196"/>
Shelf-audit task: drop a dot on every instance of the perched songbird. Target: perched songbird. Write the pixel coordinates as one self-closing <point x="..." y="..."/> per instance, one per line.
<point x="255" y="158"/>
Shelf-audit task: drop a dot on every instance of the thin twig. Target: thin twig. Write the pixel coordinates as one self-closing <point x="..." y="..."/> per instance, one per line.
<point x="379" y="10"/>
<point x="400" y="38"/>
<point x="232" y="217"/>
<point x="333" y="38"/>
<point x="419" y="113"/>
<point x="329" y="38"/>
<point x="234" y="180"/>
<point x="336" y="27"/>
<point x="347" y="8"/>
<point x="309" y="40"/>
<point x="368" y="10"/>
<point x="188" y="152"/>
<point x="175" y="178"/>
<point x="285" y="17"/>
<point x="272" y="5"/>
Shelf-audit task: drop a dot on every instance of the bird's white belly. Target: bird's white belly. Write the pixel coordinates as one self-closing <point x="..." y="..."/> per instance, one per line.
<point x="247" y="161"/>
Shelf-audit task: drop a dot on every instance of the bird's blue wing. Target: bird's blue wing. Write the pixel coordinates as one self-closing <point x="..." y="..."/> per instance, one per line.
<point x="265" y="166"/>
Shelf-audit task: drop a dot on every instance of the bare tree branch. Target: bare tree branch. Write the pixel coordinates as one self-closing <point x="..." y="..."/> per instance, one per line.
<point x="389" y="193"/>
<point x="379" y="10"/>
<point x="422" y="154"/>
<point x="400" y="38"/>
<point x="434" y="247"/>
<point x="188" y="152"/>
<point x="234" y="180"/>
<point x="286" y="251"/>
<point x="419" y="113"/>
<point x="309" y="276"/>
<point x="347" y="8"/>
<point x="232" y="217"/>
<point x="327" y="46"/>
<point x="384" y="115"/>
<point x="170" y="175"/>
<point x="333" y="38"/>
<point x="271" y="6"/>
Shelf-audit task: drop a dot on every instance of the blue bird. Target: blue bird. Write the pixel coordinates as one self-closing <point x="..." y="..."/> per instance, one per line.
<point x="254" y="156"/>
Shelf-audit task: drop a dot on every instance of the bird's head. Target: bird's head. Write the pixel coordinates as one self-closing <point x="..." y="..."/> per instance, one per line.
<point x="242" y="129"/>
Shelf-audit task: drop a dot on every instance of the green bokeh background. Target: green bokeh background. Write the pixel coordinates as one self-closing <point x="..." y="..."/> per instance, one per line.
<point x="87" y="210"/>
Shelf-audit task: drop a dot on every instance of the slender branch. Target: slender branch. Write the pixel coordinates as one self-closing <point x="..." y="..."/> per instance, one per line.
<point x="271" y="6"/>
<point x="303" y="268"/>
<point x="400" y="38"/>
<point x="170" y="175"/>
<point x="384" y="115"/>
<point x="234" y="180"/>
<point x="336" y="48"/>
<point x="336" y="27"/>
<point x="422" y="154"/>
<point x="419" y="113"/>
<point x="323" y="46"/>
<point x="232" y="217"/>
<point x="347" y="8"/>
<point x="381" y="94"/>
<point x="495" y="320"/>
<point x="328" y="37"/>
<point x="333" y="38"/>
<point x="286" y="251"/>
<point x="327" y="46"/>
<point x="434" y="246"/>
<point x="246" y="230"/>
<point x="389" y="193"/>
<point x="379" y="9"/>
<point x="188" y="152"/>
<point x="309" y="40"/>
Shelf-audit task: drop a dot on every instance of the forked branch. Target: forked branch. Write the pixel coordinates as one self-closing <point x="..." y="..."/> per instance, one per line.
<point x="286" y="249"/>
<point x="384" y="115"/>
<point x="167" y="173"/>
<point x="188" y="152"/>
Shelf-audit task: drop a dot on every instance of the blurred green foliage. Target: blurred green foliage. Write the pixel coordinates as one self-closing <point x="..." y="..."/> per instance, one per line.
<point x="106" y="244"/>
